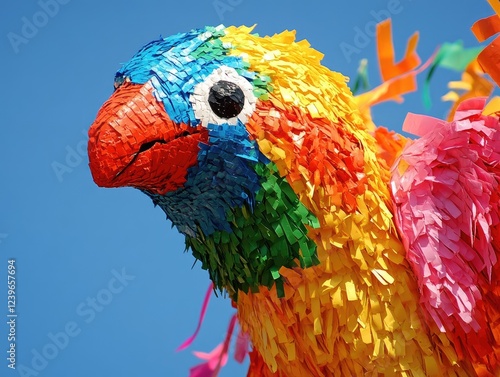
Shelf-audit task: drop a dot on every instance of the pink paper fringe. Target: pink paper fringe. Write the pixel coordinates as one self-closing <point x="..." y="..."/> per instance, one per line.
<point x="444" y="189"/>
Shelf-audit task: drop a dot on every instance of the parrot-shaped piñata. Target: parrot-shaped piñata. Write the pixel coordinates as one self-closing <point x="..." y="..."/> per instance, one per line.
<point x="337" y="265"/>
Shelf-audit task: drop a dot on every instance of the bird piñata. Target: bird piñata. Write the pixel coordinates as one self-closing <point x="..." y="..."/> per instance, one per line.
<point x="337" y="265"/>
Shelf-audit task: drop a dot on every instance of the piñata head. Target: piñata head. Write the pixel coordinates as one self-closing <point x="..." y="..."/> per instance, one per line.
<point x="220" y="128"/>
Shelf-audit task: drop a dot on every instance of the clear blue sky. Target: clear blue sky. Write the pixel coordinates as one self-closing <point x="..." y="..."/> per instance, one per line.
<point x="67" y="235"/>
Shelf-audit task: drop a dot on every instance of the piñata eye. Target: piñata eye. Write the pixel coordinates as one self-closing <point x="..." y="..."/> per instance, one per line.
<point x="226" y="99"/>
<point x="223" y="97"/>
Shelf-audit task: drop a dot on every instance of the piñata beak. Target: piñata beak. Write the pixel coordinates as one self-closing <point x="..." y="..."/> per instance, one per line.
<point x="134" y="143"/>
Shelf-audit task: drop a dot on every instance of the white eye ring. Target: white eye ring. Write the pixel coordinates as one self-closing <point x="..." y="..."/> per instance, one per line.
<point x="201" y="106"/>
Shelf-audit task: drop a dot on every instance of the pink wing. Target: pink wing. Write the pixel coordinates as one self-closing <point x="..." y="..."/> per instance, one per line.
<point x="445" y="189"/>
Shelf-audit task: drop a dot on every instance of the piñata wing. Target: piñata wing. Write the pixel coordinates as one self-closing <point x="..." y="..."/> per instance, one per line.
<point x="445" y="188"/>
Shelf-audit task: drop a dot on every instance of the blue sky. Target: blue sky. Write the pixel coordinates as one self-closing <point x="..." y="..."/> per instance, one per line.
<point x="74" y="242"/>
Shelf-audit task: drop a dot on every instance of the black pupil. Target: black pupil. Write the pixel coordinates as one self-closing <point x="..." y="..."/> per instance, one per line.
<point x="226" y="99"/>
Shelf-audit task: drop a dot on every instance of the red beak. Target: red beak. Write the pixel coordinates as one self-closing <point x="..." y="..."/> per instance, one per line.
<point x="134" y="143"/>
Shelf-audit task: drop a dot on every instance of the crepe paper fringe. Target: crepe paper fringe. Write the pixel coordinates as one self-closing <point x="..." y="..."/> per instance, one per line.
<point x="389" y="69"/>
<point x="176" y="64"/>
<point x="117" y="134"/>
<point x="390" y="144"/>
<point x="398" y="78"/>
<point x="472" y="85"/>
<point x="242" y="346"/>
<point x="361" y="82"/>
<point x="223" y="177"/>
<point x="445" y="190"/>
<point x="489" y="58"/>
<point x="203" y="311"/>
<point x="262" y="239"/>
<point x="453" y="56"/>
<point x="217" y="358"/>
